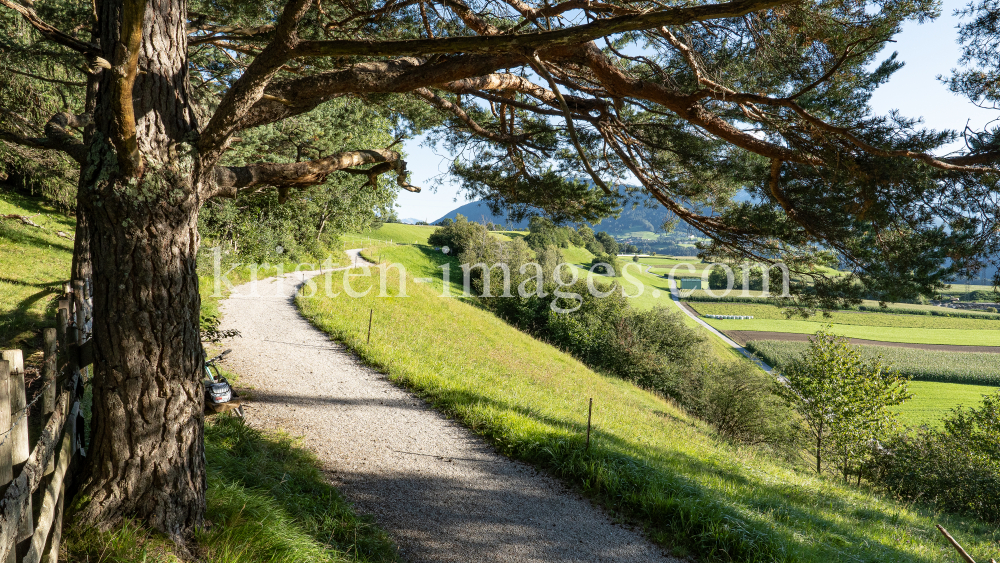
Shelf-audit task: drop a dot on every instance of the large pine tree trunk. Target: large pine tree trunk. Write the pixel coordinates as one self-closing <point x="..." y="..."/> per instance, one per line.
<point x="146" y="459"/>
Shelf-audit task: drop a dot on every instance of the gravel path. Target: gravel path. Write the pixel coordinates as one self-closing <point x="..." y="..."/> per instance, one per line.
<point x="440" y="491"/>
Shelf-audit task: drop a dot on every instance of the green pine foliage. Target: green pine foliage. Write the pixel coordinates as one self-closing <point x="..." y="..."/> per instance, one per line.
<point x="256" y="227"/>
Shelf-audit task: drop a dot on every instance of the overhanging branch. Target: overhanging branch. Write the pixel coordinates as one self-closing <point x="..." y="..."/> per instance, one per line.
<point x="230" y="180"/>
<point x="50" y="32"/>
<point x="445" y="105"/>
<point x="528" y="42"/>
<point x="57" y="136"/>
<point x="249" y="88"/>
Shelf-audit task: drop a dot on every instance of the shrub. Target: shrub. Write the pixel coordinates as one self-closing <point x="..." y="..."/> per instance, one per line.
<point x="542" y="233"/>
<point x="956" y="469"/>
<point x="595" y="248"/>
<point x="608" y="242"/>
<point x="609" y="260"/>
<point x="458" y="235"/>
<point x="739" y="401"/>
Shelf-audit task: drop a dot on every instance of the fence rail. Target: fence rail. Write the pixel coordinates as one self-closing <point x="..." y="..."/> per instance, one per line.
<point x="35" y="478"/>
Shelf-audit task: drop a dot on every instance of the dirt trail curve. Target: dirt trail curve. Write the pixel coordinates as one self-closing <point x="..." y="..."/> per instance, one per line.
<point x="440" y="491"/>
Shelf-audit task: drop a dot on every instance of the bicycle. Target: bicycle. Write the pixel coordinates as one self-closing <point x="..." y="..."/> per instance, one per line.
<point x="218" y="393"/>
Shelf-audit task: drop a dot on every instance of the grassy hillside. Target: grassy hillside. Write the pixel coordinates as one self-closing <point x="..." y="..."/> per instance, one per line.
<point x="649" y="461"/>
<point x="34" y="263"/>
<point x="395" y="232"/>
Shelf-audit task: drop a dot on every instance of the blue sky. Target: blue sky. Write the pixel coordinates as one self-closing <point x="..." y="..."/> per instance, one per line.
<point x="929" y="50"/>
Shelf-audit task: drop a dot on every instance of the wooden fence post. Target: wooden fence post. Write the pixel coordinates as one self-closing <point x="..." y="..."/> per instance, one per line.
<point x="20" y="444"/>
<point x="80" y="306"/>
<point x="50" y="516"/>
<point x="49" y="372"/>
<point x="52" y="555"/>
<point x="6" y="463"/>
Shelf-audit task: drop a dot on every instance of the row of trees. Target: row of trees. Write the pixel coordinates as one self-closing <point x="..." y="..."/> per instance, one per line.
<point x="653" y="349"/>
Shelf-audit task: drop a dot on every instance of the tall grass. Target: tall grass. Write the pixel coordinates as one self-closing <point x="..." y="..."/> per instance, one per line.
<point x="921" y="365"/>
<point x="267" y="501"/>
<point x="649" y="461"/>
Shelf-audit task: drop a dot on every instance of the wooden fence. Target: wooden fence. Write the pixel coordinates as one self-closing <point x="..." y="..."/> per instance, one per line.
<point x="41" y="447"/>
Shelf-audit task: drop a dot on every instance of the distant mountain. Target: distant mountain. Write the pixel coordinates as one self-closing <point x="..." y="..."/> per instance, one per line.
<point x="479" y="212"/>
<point x="642" y="218"/>
<point x="409" y="221"/>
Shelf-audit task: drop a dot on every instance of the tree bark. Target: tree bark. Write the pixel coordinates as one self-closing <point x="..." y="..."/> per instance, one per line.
<point x="146" y="458"/>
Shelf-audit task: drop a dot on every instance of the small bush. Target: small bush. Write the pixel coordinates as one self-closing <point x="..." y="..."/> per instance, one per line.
<point x="458" y="235"/>
<point x="595" y="248"/>
<point x="738" y="400"/>
<point x="600" y="264"/>
<point x="956" y="469"/>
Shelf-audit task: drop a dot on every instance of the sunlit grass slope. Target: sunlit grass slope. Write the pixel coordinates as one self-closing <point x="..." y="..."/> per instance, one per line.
<point x="649" y="461"/>
<point x="34" y="263"/>
<point x="395" y="232"/>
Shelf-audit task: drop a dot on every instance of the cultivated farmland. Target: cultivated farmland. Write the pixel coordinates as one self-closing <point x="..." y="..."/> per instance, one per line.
<point x="923" y="365"/>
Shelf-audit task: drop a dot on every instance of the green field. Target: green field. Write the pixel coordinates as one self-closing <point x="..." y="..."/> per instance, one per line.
<point x="772" y="312"/>
<point x="926" y="365"/>
<point x="34" y="263"/>
<point x="649" y="461"/>
<point x="932" y="401"/>
<point x="577" y="255"/>
<point x="968" y="337"/>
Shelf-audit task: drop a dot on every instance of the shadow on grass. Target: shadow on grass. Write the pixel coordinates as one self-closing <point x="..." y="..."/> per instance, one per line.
<point x="267" y="501"/>
<point x="286" y="485"/>
<point x="21" y="237"/>
<point x="21" y="319"/>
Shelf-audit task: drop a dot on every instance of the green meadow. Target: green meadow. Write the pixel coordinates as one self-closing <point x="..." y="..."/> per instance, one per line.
<point x="960" y="337"/>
